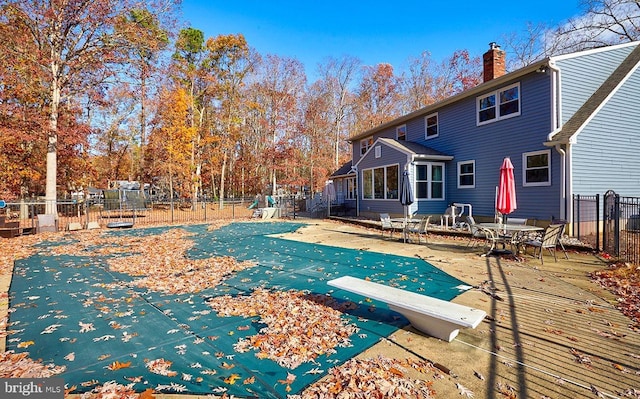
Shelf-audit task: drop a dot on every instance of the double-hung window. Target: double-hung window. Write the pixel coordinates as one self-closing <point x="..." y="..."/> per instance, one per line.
<point x="537" y="168"/>
<point x="467" y="174"/>
<point x="351" y="188"/>
<point x="431" y="126"/>
<point x="365" y="145"/>
<point x="430" y="180"/>
<point x="401" y="132"/>
<point x="500" y="104"/>
<point x="380" y="183"/>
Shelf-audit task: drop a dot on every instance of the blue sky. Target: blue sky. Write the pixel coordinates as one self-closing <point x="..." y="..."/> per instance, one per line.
<point x="374" y="31"/>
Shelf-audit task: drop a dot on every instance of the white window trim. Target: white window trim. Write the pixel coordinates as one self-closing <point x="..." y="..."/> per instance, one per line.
<point x="365" y="144"/>
<point x="405" y="132"/>
<point x="385" y="167"/>
<point x="351" y="191"/>
<point x="416" y="181"/>
<point x="524" y="168"/>
<point x="474" y="174"/>
<point x="378" y="151"/>
<point x="496" y="93"/>
<point x="426" y="126"/>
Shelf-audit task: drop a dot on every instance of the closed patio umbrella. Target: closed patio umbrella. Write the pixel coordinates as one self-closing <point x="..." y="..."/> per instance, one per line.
<point x="506" y="200"/>
<point x="406" y="195"/>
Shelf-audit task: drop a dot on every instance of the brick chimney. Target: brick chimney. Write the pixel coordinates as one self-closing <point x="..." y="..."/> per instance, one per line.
<point x="493" y="62"/>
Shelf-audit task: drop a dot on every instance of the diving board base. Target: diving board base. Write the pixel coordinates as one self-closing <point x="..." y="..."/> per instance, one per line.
<point x="431" y="326"/>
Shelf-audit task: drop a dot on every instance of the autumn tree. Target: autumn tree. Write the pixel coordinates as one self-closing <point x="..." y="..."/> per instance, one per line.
<point x="229" y="60"/>
<point x="378" y="96"/>
<point x="113" y="122"/>
<point x="278" y="88"/>
<point x="457" y="73"/>
<point x="187" y="71"/>
<point x="143" y="39"/>
<point x="70" y="43"/>
<point x="316" y="141"/>
<point x="170" y="141"/>
<point x="336" y="79"/>
<point x="419" y="83"/>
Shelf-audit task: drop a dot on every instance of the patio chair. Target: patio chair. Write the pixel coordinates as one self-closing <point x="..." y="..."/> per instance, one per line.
<point x="513" y="239"/>
<point x="550" y="240"/>
<point x="387" y="224"/>
<point x="421" y="229"/>
<point x="479" y="233"/>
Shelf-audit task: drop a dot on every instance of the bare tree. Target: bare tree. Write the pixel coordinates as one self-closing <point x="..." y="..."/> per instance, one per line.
<point x="337" y="77"/>
<point x="604" y="23"/>
<point x="525" y="49"/>
<point x="418" y="83"/>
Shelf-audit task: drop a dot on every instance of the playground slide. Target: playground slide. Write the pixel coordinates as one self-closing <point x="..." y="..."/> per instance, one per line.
<point x="270" y="202"/>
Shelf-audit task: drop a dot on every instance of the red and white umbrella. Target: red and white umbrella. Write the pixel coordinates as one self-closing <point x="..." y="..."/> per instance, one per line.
<point x="506" y="200"/>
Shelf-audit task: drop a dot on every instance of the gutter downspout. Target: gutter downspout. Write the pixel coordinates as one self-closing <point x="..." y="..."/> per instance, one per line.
<point x="563" y="182"/>
<point x="565" y="170"/>
<point x="354" y="169"/>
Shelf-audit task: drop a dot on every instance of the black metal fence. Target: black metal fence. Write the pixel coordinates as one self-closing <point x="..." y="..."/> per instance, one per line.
<point x="103" y="212"/>
<point x="612" y="225"/>
<point x="621" y="230"/>
<point x="586" y="225"/>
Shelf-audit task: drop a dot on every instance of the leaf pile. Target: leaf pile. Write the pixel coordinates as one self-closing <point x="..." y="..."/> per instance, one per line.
<point x="161" y="260"/>
<point x="300" y="327"/>
<point x="112" y="390"/>
<point x="20" y="366"/>
<point x="380" y="377"/>
<point x="18" y="248"/>
<point x="623" y="279"/>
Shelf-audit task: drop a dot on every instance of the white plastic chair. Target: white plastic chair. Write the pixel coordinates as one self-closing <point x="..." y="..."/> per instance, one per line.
<point x="386" y="224"/>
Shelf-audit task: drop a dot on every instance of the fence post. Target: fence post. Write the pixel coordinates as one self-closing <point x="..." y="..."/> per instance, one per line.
<point x="576" y="215"/>
<point x="616" y="224"/>
<point x="598" y="222"/>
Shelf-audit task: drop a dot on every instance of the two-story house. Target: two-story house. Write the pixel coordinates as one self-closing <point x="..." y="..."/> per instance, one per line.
<point x="570" y="125"/>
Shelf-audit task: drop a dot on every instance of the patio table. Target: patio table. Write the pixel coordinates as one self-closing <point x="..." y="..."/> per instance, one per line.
<point x="502" y="229"/>
<point x="406" y="225"/>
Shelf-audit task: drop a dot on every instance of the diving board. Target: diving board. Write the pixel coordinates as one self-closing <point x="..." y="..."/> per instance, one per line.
<point x="435" y="317"/>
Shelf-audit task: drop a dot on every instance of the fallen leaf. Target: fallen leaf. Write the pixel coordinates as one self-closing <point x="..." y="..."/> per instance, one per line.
<point x="464" y="391"/>
<point x="118" y="365"/>
<point x="232" y="379"/>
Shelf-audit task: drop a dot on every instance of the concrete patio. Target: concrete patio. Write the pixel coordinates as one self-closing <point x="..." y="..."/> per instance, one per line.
<point x="550" y="331"/>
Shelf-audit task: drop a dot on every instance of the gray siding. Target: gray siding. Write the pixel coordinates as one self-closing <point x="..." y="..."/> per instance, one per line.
<point x="388" y="156"/>
<point x="581" y="76"/>
<point x="489" y="144"/>
<point x="606" y="155"/>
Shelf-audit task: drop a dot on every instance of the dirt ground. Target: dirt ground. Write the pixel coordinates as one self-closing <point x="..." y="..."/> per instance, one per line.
<point x="550" y="331"/>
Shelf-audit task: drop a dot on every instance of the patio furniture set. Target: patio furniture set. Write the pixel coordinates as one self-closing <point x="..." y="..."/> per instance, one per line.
<point x="514" y="236"/>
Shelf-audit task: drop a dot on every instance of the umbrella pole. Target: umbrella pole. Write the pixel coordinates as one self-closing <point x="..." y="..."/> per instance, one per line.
<point x="404" y="227"/>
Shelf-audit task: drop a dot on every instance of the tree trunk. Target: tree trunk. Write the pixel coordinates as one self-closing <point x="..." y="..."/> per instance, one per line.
<point x="222" y="178"/>
<point x="52" y="145"/>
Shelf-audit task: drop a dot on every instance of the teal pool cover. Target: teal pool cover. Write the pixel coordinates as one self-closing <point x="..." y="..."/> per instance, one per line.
<point x="189" y="346"/>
